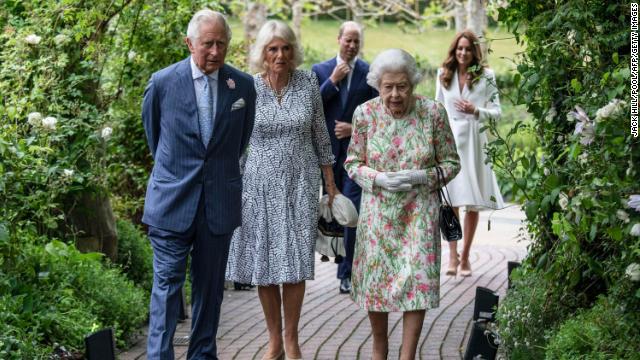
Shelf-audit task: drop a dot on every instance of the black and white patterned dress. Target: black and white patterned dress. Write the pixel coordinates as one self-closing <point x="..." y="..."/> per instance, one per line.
<point x="275" y="243"/>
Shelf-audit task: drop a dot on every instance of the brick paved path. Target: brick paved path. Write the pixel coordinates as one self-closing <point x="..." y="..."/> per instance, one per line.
<point x="332" y="327"/>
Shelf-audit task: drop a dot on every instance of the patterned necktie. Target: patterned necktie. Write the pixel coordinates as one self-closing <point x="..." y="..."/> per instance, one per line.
<point x="344" y="90"/>
<point x="206" y="115"/>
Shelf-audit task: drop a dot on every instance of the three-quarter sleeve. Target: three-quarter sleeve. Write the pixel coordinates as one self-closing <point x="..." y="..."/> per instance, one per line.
<point x="491" y="107"/>
<point x="320" y="134"/>
<point x="445" y="148"/>
<point x="356" y="161"/>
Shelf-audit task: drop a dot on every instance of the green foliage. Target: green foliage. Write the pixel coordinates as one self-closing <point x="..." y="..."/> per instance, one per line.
<point x="55" y="294"/>
<point x="573" y="79"/>
<point x="135" y="255"/>
<point x="529" y="313"/>
<point x="605" y="331"/>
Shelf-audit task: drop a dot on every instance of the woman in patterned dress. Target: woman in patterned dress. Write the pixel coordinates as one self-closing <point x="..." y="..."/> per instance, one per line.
<point x="468" y="91"/>
<point x="398" y="141"/>
<point x="288" y="149"/>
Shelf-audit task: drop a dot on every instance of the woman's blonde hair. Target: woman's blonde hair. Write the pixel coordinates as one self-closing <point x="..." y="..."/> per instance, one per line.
<point x="273" y="29"/>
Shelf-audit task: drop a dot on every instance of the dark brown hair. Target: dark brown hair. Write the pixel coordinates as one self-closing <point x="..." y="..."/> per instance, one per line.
<point x="450" y="65"/>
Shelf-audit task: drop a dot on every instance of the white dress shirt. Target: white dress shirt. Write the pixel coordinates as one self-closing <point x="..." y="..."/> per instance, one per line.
<point x="198" y="83"/>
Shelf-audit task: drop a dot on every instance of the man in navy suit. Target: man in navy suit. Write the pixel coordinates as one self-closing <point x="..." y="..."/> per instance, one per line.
<point x="343" y="86"/>
<point x="198" y="116"/>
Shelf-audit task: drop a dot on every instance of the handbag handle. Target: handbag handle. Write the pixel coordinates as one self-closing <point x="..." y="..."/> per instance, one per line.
<point x="442" y="184"/>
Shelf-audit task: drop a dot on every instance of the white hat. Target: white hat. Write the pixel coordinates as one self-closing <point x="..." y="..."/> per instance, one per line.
<point x="342" y="210"/>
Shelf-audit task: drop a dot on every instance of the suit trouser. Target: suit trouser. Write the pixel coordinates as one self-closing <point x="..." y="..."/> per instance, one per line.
<point x="353" y="191"/>
<point x="209" y="254"/>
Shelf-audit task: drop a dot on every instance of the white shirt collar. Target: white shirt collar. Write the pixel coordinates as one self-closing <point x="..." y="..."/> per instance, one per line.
<point x="351" y="63"/>
<point x="196" y="73"/>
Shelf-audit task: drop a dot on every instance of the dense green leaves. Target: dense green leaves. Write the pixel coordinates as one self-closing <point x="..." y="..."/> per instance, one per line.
<point x="574" y="81"/>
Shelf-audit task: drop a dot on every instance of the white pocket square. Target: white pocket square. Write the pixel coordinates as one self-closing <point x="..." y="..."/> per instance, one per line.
<point x="239" y="104"/>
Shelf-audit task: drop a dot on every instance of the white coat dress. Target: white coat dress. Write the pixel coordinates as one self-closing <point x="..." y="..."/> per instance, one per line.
<point x="475" y="186"/>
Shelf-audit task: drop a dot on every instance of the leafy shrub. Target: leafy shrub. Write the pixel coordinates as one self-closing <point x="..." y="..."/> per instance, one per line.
<point x="135" y="255"/>
<point x="112" y="298"/>
<point x="527" y="315"/>
<point x="55" y="294"/>
<point x="606" y="331"/>
<point x="573" y="79"/>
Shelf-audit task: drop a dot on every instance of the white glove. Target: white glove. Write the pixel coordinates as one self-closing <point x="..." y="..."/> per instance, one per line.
<point x="416" y="177"/>
<point x="392" y="183"/>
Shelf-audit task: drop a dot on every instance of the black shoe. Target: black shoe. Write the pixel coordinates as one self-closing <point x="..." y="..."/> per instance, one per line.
<point x="345" y="286"/>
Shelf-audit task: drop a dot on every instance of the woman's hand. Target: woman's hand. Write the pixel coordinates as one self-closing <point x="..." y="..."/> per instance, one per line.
<point x="465" y="106"/>
<point x="332" y="191"/>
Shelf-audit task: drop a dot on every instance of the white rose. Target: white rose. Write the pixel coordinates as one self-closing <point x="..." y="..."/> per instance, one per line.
<point x="563" y="201"/>
<point x="633" y="271"/>
<point x="60" y="39"/>
<point x="552" y="113"/>
<point x="571" y="36"/>
<point x="49" y="123"/>
<point x="583" y="158"/>
<point x="68" y="173"/>
<point x="546" y="172"/>
<point x="613" y="108"/>
<point x="33" y="39"/>
<point x="34" y="118"/>
<point x="106" y="133"/>
<point x="131" y="55"/>
<point x="635" y="230"/>
<point x="622" y="215"/>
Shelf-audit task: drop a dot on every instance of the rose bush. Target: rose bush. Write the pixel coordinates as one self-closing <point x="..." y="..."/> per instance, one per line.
<point x="579" y="188"/>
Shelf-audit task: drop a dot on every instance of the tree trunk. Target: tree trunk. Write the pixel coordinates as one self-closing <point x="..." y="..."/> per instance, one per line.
<point x="477" y="22"/>
<point x="255" y="17"/>
<point x="91" y="218"/>
<point x="476" y="17"/>
<point x="459" y="16"/>
<point x="296" y="17"/>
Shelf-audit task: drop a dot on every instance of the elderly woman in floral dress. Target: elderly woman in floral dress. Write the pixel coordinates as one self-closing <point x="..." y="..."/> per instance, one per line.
<point x="398" y="141"/>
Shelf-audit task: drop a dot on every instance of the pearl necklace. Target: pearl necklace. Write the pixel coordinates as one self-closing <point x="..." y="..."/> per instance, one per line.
<point x="279" y="94"/>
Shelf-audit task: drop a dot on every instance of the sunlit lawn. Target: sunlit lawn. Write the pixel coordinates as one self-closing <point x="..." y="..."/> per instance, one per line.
<point x="430" y="45"/>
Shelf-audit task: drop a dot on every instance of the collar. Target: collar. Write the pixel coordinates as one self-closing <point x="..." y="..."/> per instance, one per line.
<point x="196" y="73"/>
<point x="351" y="63"/>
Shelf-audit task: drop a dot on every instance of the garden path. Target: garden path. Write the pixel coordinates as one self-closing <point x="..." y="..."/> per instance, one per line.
<point x="333" y="327"/>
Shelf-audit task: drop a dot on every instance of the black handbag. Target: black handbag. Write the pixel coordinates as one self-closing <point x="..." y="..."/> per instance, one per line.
<point x="448" y="221"/>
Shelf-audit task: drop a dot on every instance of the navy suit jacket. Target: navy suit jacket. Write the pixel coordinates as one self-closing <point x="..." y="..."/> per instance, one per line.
<point x="184" y="170"/>
<point x="359" y="92"/>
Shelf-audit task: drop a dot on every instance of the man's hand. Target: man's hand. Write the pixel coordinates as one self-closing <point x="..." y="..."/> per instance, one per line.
<point x="339" y="72"/>
<point x="342" y="129"/>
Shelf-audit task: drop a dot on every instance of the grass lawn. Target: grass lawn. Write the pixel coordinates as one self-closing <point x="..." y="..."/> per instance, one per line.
<point x="430" y="45"/>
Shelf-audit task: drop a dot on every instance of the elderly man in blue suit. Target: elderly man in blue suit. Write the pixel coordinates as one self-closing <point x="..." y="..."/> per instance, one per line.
<point x="198" y="116"/>
<point x="343" y="86"/>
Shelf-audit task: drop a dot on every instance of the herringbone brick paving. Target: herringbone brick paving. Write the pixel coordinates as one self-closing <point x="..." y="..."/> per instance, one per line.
<point x="333" y="327"/>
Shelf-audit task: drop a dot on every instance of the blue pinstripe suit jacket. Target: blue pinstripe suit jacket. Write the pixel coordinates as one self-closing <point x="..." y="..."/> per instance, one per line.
<point x="183" y="168"/>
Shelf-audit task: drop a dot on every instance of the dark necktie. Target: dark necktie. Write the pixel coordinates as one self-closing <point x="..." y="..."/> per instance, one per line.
<point x="344" y="90"/>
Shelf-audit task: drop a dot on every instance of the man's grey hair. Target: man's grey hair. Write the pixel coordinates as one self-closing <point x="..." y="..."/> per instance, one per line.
<point x="355" y="25"/>
<point x="393" y="60"/>
<point x="273" y="29"/>
<point x="206" y="15"/>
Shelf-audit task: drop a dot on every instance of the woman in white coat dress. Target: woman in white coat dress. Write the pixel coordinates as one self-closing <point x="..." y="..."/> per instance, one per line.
<point x="469" y="94"/>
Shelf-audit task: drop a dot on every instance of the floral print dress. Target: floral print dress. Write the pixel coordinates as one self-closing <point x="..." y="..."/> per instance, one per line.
<point x="396" y="265"/>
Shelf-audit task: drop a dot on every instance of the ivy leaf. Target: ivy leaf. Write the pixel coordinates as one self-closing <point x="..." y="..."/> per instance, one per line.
<point x="4" y="233"/>
<point x="531" y="210"/>
<point x="542" y="261"/>
<point x="575" y="85"/>
<point x="615" y="58"/>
